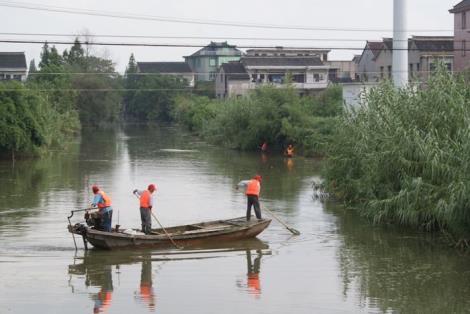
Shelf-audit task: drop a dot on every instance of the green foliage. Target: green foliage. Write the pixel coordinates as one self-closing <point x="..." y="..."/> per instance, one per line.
<point x="152" y="96"/>
<point x="276" y="115"/>
<point x="405" y="157"/>
<point x="28" y="123"/>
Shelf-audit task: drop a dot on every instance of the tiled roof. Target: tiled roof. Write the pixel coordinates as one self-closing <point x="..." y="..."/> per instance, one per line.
<point x="13" y="60"/>
<point x="426" y="43"/>
<point x="461" y="6"/>
<point x="235" y="71"/>
<point x="438" y="44"/>
<point x="163" y="67"/>
<point x="281" y="61"/>
<point x="375" y="47"/>
<point x="217" y="49"/>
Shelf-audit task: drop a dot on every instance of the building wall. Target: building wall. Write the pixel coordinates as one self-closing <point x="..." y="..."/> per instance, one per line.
<point x="366" y="67"/>
<point x="205" y="67"/>
<point x="461" y="41"/>
<point x="13" y="75"/>
<point x="354" y="94"/>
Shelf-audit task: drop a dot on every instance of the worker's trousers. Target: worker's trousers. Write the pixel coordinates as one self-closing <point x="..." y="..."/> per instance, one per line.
<point x="252" y="200"/>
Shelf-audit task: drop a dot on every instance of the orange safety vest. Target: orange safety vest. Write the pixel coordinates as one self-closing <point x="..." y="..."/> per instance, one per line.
<point x="253" y="187"/>
<point x="290" y="151"/>
<point x="105" y="202"/>
<point x="145" y="199"/>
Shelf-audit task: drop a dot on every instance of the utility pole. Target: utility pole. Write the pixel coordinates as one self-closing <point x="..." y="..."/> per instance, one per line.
<point x="400" y="44"/>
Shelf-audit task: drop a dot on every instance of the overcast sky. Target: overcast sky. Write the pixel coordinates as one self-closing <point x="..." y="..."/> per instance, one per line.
<point x="337" y="18"/>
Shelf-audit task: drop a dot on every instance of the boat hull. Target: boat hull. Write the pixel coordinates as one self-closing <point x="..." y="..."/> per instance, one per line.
<point x="194" y="235"/>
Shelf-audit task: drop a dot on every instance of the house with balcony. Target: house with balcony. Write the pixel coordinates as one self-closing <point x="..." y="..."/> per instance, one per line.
<point x="461" y="42"/>
<point x="205" y="62"/>
<point x="13" y="66"/>
<point x="307" y="74"/>
<point x="178" y="69"/>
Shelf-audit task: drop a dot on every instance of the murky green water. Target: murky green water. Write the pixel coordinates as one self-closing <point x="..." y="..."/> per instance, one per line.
<point x="339" y="264"/>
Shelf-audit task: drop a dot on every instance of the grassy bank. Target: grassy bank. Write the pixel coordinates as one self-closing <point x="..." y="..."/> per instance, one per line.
<point x="405" y="157"/>
<point x="276" y="115"/>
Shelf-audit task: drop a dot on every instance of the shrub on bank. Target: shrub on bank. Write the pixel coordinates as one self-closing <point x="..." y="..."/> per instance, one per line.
<point x="276" y="115"/>
<point x="29" y="123"/>
<point x="405" y="157"/>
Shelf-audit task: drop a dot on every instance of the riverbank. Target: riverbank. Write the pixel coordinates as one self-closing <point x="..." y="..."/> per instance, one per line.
<point x="405" y="157"/>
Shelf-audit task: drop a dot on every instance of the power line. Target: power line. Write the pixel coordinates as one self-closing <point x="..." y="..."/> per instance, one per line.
<point x="187" y="37"/>
<point x="163" y="45"/>
<point x="121" y="15"/>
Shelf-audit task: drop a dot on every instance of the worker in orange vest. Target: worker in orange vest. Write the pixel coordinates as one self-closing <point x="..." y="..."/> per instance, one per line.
<point x="252" y="190"/>
<point x="146" y="204"/>
<point x="290" y="150"/>
<point x="103" y="202"/>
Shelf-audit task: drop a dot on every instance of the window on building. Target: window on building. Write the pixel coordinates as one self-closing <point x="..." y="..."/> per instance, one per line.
<point x="212" y="62"/>
<point x="464" y="20"/>
<point x="253" y="78"/>
<point x="261" y="78"/>
<point x="276" y="78"/>
<point x="464" y="47"/>
<point x="316" y="77"/>
<point x="417" y="67"/>
<point x="17" y="77"/>
<point x="389" y="68"/>
<point x="382" y="72"/>
<point x="411" y="68"/>
<point x="298" y="78"/>
<point x="449" y="66"/>
<point x="2" y="76"/>
<point x="7" y="76"/>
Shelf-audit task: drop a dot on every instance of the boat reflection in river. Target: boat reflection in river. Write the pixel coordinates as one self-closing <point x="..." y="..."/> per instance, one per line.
<point x="97" y="268"/>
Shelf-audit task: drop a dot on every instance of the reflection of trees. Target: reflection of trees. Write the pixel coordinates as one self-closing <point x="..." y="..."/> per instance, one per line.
<point x="395" y="270"/>
<point x="30" y="184"/>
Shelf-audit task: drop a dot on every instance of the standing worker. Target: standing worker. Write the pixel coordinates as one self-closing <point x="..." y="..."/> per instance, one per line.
<point x="290" y="150"/>
<point x="103" y="202"/>
<point x="146" y="204"/>
<point x="252" y="190"/>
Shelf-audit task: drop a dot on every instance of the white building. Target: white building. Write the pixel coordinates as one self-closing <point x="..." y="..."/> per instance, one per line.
<point x="13" y="66"/>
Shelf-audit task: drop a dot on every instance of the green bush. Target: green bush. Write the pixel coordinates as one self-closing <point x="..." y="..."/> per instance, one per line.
<point x="276" y="115"/>
<point x="404" y="158"/>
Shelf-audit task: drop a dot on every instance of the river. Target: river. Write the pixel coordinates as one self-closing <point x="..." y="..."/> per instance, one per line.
<point x="339" y="263"/>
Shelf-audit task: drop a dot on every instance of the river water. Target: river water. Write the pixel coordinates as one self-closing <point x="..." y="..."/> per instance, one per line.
<point x="339" y="263"/>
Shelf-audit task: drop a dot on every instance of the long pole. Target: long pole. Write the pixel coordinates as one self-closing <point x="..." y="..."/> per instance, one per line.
<point x="164" y="230"/>
<point x="400" y="45"/>
<point x="294" y="231"/>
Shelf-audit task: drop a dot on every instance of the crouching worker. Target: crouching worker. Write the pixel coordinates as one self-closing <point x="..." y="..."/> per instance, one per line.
<point x="146" y="204"/>
<point x="252" y="190"/>
<point x="103" y="202"/>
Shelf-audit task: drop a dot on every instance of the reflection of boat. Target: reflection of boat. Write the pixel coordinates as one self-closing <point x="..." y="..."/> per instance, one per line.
<point x="192" y="235"/>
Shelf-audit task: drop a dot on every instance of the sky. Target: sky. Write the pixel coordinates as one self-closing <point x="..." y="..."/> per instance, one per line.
<point x="332" y="24"/>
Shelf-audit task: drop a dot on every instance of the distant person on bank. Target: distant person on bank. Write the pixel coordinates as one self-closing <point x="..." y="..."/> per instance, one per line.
<point x="252" y="190"/>
<point x="103" y="202"/>
<point x="146" y="204"/>
<point x="289" y="151"/>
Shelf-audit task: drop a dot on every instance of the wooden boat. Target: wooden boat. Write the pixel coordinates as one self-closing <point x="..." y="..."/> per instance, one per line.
<point x="192" y="235"/>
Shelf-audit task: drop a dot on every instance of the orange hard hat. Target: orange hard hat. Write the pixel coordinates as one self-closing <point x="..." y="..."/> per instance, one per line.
<point x="95" y="188"/>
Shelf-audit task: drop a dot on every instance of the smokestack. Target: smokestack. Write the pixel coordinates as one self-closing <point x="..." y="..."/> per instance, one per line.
<point x="400" y="44"/>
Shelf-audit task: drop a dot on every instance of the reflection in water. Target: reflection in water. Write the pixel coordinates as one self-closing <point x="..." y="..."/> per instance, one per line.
<point x="97" y="266"/>
<point x="289" y="164"/>
<point x="103" y="298"/>
<point x="395" y="270"/>
<point x="253" y="285"/>
<point x="146" y="293"/>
